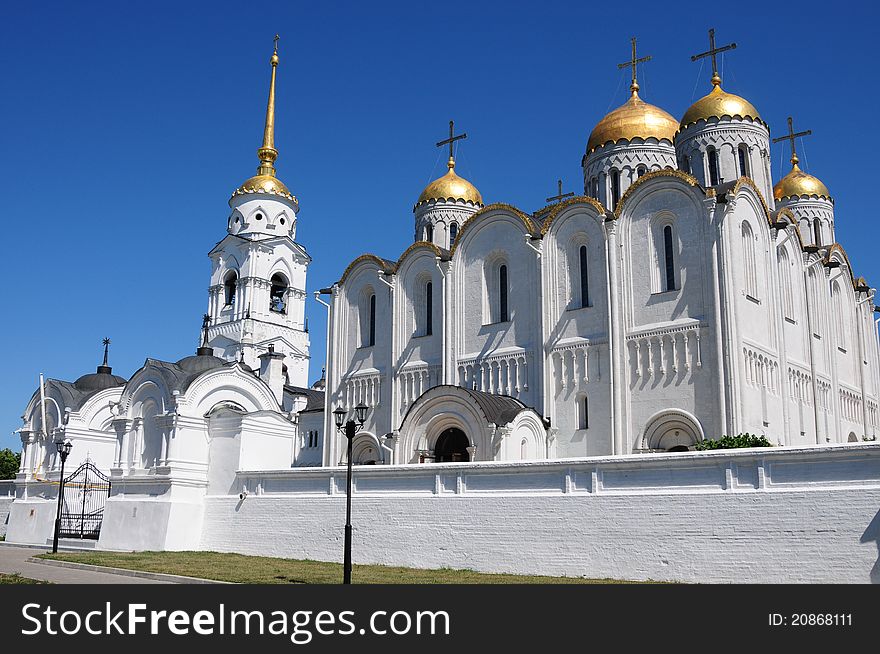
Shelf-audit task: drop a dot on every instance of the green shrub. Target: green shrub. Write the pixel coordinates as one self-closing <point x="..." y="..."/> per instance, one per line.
<point x="9" y="462"/>
<point x="731" y="442"/>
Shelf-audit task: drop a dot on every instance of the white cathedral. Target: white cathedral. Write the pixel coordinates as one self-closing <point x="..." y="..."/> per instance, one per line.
<point x="683" y="297"/>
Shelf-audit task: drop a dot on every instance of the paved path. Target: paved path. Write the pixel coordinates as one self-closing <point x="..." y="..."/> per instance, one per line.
<point x="15" y="560"/>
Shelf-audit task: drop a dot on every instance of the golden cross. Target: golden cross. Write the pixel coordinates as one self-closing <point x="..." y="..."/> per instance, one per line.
<point x="452" y="138"/>
<point x="561" y="195"/>
<point x="276" y="43"/>
<point x="711" y="52"/>
<point x="790" y="137"/>
<point x="632" y="63"/>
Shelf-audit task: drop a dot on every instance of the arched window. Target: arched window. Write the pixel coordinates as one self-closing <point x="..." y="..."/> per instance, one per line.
<point x="502" y="294"/>
<point x="372" y="326"/>
<point x="840" y="324"/>
<point x="712" y="155"/>
<point x="583" y="412"/>
<point x="743" y="153"/>
<point x="429" y="308"/>
<point x="524" y="449"/>
<point x="429" y="233"/>
<point x="278" y="294"/>
<point x="584" y="277"/>
<point x="668" y="258"/>
<point x="817" y="232"/>
<point x="785" y="281"/>
<point x="229" y="284"/>
<point x="749" y="271"/>
<point x="641" y="170"/>
<point x="686" y="164"/>
<point x="615" y="187"/>
<point x="594" y="187"/>
<point x="453" y="232"/>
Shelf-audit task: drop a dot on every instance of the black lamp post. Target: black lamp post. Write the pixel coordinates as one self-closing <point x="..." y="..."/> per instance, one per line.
<point x="350" y="429"/>
<point x="63" y="448"/>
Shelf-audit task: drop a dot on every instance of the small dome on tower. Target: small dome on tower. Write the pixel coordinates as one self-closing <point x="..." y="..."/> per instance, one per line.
<point x="634" y="119"/>
<point x="717" y="104"/>
<point x="451" y="187"/>
<point x="800" y="184"/>
<point x="264" y="184"/>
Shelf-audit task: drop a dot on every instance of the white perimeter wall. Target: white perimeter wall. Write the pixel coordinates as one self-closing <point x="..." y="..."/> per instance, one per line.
<point x="793" y="515"/>
<point x="7" y="494"/>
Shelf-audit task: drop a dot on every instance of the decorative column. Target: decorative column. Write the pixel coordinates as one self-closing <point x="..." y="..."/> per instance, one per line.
<point x="718" y="317"/>
<point x="447" y="345"/>
<point x="614" y="338"/>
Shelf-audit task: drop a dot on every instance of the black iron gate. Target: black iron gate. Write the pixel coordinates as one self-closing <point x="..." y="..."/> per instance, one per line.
<point x="82" y="509"/>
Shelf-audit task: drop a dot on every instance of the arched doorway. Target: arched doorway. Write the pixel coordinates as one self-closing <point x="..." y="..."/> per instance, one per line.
<point x="672" y="430"/>
<point x="452" y="446"/>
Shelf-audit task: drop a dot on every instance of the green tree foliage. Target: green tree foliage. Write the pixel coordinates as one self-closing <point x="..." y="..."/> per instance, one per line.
<point x="731" y="442"/>
<point x="9" y="462"/>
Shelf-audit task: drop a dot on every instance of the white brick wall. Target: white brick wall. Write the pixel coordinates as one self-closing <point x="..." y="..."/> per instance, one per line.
<point x="7" y="494"/>
<point x="802" y="515"/>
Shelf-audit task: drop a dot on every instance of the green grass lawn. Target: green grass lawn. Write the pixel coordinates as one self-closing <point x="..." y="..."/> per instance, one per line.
<point x="18" y="579"/>
<point x="238" y="568"/>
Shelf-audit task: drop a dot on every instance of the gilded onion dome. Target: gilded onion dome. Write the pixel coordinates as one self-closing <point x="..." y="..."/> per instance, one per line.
<point x="717" y="104"/>
<point x="452" y="188"/>
<point x="799" y="184"/>
<point x="265" y="181"/>
<point x="634" y="119"/>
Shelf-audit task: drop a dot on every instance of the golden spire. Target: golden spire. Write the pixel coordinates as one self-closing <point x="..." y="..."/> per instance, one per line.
<point x="632" y="63"/>
<point x="267" y="152"/>
<point x="712" y="52"/>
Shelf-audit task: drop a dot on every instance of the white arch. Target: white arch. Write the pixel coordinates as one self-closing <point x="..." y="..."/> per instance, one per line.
<point x="671" y="427"/>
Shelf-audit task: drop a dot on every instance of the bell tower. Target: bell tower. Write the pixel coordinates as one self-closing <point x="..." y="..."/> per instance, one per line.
<point x="256" y="300"/>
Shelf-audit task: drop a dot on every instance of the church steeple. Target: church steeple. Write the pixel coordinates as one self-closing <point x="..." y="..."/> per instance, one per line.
<point x="267" y="152"/>
<point x="265" y="180"/>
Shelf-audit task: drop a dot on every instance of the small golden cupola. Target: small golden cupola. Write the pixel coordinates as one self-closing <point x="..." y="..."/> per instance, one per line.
<point x="265" y="180"/>
<point x="447" y="202"/>
<point x="806" y="196"/>
<point x="635" y="138"/>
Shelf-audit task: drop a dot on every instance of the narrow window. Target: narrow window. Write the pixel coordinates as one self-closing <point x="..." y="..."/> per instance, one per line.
<point x="278" y="294"/>
<point x="669" y="258"/>
<point x="751" y="274"/>
<point x="585" y="288"/>
<point x="713" y="167"/>
<point x="453" y="232"/>
<point x="595" y="187"/>
<point x="743" y="165"/>
<point x="502" y="294"/>
<point x="615" y="187"/>
<point x="641" y="170"/>
<point x="583" y="413"/>
<point x="817" y="231"/>
<point x="429" y="308"/>
<point x="429" y="233"/>
<point x="372" y="332"/>
<point x="229" y="287"/>
<point x="686" y="164"/>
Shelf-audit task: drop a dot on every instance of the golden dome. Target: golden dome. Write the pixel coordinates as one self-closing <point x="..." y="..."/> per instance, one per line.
<point x="264" y="184"/>
<point x="799" y="184"/>
<point x="451" y="187"/>
<point x="717" y="104"/>
<point x="634" y="119"/>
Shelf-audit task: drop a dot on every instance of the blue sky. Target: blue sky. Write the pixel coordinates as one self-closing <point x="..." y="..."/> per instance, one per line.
<point x="126" y="126"/>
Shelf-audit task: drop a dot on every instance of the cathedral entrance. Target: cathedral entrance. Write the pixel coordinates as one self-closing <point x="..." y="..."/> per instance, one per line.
<point x="452" y="447"/>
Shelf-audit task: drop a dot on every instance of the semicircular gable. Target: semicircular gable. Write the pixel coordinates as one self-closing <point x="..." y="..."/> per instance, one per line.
<point x="748" y="182"/>
<point x="495" y="211"/>
<point x="647" y="178"/>
<point x="562" y="209"/>
<point x="380" y="263"/>
<point x="838" y="254"/>
<point x="228" y="384"/>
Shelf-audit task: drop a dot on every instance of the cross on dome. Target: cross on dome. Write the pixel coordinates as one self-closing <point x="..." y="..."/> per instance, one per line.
<point x="713" y="52"/>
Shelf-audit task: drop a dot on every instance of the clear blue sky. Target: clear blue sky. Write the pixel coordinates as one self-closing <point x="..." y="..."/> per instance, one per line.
<point x="126" y="126"/>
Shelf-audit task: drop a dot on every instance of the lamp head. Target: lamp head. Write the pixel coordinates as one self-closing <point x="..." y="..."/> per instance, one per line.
<point x="339" y="417"/>
<point x="63" y="447"/>
<point x="360" y="412"/>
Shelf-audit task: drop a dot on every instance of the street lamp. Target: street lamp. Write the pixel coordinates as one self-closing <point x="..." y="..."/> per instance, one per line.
<point x="63" y="448"/>
<point x="349" y="429"/>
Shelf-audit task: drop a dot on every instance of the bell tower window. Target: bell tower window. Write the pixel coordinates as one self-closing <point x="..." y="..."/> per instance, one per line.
<point x="453" y="232"/>
<point x="278" y="294"/>
<point x="229" y="284"/>
<point x="742" y="154"/>
<point x="712" y="156"/>
<point x="615" y="187"/>
<point x="429" y="233"/>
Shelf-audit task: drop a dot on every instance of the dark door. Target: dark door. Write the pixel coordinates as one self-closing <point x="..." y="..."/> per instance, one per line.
<point x="452" y="447"/>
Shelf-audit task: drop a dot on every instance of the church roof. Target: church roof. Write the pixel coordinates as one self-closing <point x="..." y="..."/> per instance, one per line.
<point x="450" y="188"/>
<point x="314" y="398"/>
<point x="178" y="376"/>
<point x="633" y="119"/>
<point x="500" y="409"/>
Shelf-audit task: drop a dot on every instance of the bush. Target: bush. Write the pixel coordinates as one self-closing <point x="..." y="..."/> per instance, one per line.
<point x="9" y="462"/>
<point x="731" y="442"/>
